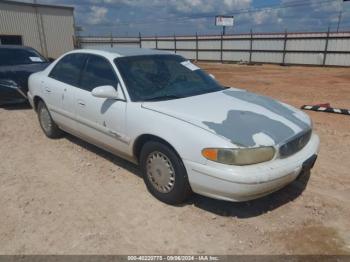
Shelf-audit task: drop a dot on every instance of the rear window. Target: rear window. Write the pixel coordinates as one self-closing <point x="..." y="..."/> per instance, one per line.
<point x="69" y="68"/>
<point x="12" y="56"/>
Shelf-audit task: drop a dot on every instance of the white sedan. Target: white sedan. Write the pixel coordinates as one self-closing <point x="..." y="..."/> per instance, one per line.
<point x="187" y="132"/>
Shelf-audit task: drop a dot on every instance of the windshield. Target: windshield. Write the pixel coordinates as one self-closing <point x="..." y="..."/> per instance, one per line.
<point x="163" y="77"/>
<point x="12" y="56"/>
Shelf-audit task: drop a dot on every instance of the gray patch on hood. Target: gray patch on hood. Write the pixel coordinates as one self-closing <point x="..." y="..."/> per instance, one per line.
<point x="270" y="104"/>
<point x="241" y="126"/>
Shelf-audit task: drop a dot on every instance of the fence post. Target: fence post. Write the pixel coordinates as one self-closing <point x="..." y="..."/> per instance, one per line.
<point x="140" y="40"/>
<point x="326" y="48"/>
<point x="284" y="48"/>
<point x="221" y="47"/>
<point x="156" y="41"/>
<point x="111" y="40"/>
<point x="251" y="46"/>
<point x="196" y="46"/>
<point x="175" y="47"/>
<point x="76" y="41"/>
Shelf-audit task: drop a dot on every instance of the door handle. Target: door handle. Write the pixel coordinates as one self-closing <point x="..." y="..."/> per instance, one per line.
<point x="47" y="90"/>
<point x="80" y="102"/>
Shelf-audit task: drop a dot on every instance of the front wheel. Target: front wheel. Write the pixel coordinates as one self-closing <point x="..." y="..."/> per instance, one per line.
<point x="47" y="124"/>
<point x="164" y="173"/>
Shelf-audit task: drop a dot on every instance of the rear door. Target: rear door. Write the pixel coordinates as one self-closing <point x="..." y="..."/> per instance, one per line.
<point x="100" y="120"/>
<point x="59" y="89"/>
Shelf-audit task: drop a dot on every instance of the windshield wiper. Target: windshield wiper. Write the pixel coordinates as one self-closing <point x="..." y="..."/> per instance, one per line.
<point x="165" y="97"/>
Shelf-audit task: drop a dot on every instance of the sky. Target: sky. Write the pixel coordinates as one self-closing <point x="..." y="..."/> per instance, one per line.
<point x="186" y="17"/>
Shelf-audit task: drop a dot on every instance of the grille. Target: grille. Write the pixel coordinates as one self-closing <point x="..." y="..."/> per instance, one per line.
<point x="295" y="144"/>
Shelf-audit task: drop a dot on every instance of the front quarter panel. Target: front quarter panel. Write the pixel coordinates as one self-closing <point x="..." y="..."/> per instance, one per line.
<point x="187" y="139"/>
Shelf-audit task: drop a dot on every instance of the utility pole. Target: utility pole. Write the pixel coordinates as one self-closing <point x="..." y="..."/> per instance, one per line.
<point x="341" y="5"/>
<point x="339" y="19"/>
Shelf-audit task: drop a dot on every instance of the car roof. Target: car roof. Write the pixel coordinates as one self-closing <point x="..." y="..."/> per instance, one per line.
<point x="123" y="51"/>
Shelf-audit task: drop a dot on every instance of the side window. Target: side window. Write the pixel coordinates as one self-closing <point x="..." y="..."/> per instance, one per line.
<point x="68" y="69"/>
<point x="98" y="72"/>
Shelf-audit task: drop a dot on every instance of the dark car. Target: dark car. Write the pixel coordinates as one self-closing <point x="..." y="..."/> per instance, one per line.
<point x="17" y="63"/>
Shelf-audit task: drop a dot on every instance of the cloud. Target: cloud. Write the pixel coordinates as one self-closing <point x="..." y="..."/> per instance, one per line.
<point x="309" y="15"/>
<point x="183" y="6"/>
<point x="266" y="16"/>
<point x="164" y="17"/>
<point x="207" y="6"/>
<point x="97" y="15"/>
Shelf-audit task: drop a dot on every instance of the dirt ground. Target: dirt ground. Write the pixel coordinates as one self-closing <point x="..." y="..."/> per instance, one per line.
<point x="68" y="197"/>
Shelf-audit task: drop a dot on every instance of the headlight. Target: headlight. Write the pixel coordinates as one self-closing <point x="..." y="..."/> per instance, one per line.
<point x="239" y="156"/>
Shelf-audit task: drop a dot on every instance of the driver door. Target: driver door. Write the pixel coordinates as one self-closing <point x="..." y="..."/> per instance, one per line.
<point x="101" y="121"/>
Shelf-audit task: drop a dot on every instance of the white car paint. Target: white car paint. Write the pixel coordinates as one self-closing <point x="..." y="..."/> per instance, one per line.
<point x="188" y="125"/>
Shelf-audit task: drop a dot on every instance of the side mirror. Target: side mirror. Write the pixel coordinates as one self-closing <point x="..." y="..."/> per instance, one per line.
<point x="108" y="92"/>
<point x="51" y="59"/>
<point x="212" y="76"/>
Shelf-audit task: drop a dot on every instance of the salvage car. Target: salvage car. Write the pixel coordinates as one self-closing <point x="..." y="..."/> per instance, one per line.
<point x="17" y="63"/>
<point x="187" y="132"/>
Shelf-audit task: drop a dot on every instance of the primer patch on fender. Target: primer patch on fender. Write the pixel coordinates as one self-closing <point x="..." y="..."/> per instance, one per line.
<point x="241" y="126"/>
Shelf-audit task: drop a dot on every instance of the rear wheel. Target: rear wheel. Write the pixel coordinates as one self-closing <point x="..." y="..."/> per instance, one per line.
<point x="164" y="173"/>
<point x="47" y="124"/>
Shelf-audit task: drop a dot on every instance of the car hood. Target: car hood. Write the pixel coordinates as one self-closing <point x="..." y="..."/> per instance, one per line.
<point x="21" y="73"/>
<point x="244" y="118"/>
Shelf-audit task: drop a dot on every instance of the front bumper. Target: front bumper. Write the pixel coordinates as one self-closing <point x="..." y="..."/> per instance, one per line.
<point x="242" y="183"/>
<point x="30" y="99"/>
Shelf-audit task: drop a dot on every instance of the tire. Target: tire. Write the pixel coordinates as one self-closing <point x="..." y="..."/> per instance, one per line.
<point x="161" y="163"/>
<point x="47" y="124"/>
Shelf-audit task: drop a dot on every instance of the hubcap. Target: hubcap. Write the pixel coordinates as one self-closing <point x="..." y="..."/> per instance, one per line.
<point x="45" y="119"/>
<point x="160" y="172"/>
